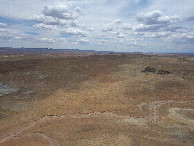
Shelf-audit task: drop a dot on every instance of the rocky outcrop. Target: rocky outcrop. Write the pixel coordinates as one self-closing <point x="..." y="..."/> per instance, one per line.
<point x="153" y="70"/>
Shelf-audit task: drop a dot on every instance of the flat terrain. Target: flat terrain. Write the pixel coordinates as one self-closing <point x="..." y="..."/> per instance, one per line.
<point x="115" y="99"/>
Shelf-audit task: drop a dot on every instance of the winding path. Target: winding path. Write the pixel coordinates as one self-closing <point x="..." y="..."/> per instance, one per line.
<point x="42" y="135"/>
<point x="53" y="117"/>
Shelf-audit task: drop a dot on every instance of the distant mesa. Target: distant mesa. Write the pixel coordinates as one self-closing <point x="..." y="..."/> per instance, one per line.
<point x="5" y="47"/>
<point x="23" y="50"/>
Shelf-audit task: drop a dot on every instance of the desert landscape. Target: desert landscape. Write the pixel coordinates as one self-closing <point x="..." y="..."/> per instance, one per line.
<point x="97" y="73"/>
<point x="96" y="99"/>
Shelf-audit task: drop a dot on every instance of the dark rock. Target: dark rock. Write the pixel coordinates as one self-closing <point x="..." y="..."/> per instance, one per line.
<point x="153" y="70"/>
<point x="163" y="72"/>
<point x="149" y="69"/>
<point x="50" y="115"/>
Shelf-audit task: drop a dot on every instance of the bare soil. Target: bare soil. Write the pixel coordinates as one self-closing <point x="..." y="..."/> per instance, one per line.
<point x="97" y="100"/>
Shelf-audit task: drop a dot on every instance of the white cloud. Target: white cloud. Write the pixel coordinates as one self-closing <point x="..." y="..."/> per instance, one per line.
<point x="126" y="26"/>
<point x="173" y="28"/>
<point x="148" y="28"/>
<point x="157" y="34"/>
<point x="190" y="18"/>
<point x="79" y="11"/>
<point x="74" y="32"/>
<point x="91" y="29"/>
<point x="111" y="26"/>
<point x="59" y="12"/>
<point x="38" y="18"/>
<point x="10" y="35"/>
<point x="155" y="24"/>
<point x="137" y="42"/>
<point x="119" y="42"/>
<point x="107" y="28"/>
<point x="45" y="40"/>
<point x="83" y="41"/>
<point x="62" y="40"/>
<point x="47" y="27"/>
<point x="7" y="37"/>
<point x="74" y="24"/>
<point x="3" y="30"/>
<point x="118" y="21"/>
<point x="53" y="18"/>
<point x="3" y="24"/>
<point x="152" y="17"/>
<point x="183" y="38"/>
<point x="121" y="36"/>
<point x="48" y="20"/>
<point x="102" y="42"/>
<point x="154" y="21"/>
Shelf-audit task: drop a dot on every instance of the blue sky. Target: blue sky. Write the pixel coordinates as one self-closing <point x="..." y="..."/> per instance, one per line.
<point x="125" y="25"/>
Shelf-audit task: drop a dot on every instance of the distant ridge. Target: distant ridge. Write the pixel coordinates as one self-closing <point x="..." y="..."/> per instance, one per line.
<point x="15" y="51"/>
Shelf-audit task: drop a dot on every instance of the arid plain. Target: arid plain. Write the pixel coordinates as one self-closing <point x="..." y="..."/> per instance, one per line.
<point x="110" y="99"/>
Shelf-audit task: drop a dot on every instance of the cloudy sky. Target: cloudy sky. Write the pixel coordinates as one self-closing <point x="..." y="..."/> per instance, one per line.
<point x="117" y="25"/>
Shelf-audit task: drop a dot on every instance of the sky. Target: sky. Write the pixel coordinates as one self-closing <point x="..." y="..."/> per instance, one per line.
<point x="102" y="25"/>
